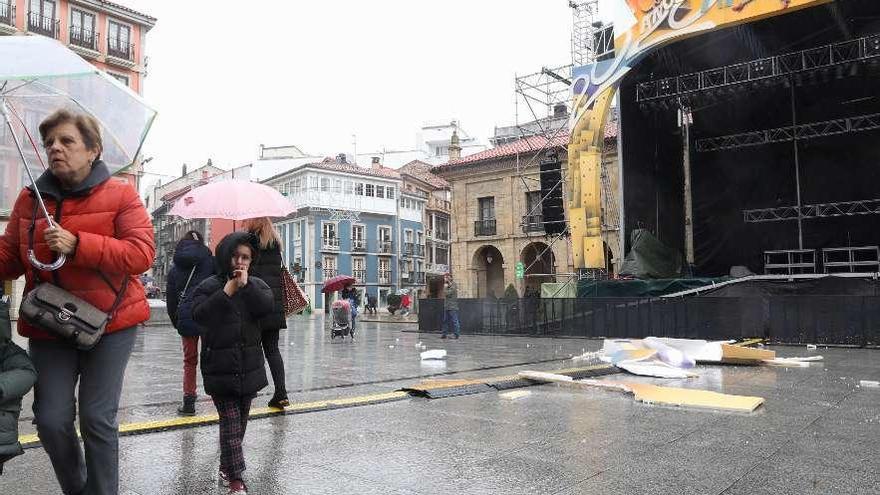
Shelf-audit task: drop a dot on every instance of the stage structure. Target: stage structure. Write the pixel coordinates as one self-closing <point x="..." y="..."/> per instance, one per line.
<point x="748" y="134"/>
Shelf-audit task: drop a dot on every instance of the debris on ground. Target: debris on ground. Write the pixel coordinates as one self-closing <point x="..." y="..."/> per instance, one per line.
<point x="653" y="394"/>
<point x="793" y="362"/>
<point x="515" y="394"/>
<point x="434" y="354"/>
<point x="869" y="384"/>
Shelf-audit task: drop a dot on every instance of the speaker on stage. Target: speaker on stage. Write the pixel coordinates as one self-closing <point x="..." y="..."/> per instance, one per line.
<point x="552" y="207"/>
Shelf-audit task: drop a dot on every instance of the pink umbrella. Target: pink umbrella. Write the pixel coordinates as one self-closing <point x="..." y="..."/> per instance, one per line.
<point x="233" y="200"/>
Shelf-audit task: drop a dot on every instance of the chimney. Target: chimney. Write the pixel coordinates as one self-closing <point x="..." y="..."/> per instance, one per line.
<point x="560" y="110"/>
<point x="454" y="147"/>
<point x="183" y="172"/>
<point x="341" y="158"/>
<point x="375" y="165"/>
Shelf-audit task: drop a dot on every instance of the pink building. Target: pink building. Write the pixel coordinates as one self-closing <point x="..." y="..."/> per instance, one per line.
<point x="108" y="35"/>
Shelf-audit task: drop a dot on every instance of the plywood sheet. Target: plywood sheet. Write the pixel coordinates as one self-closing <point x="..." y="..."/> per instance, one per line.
<point x="734" y="354"/>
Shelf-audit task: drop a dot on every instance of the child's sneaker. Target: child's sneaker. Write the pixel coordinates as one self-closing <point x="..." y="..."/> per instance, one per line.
<point x="236" y="487"/>
<point x="224" y="479"/>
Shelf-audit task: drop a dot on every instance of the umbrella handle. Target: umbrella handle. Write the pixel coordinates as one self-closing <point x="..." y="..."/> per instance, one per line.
<point x="43" y="266"/>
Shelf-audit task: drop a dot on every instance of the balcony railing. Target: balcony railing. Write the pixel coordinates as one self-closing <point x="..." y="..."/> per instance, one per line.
<point x="384" y="276"/>
<point x="120" y="49"/>
<point x="484" y="227"/>
<point x="329" y="273"/>
<point x="360" y="275"/>
<point x="84" y="38"/>
<point x="358" y="245"/>
<point x="40" y="24"/>
<point x="436" y="268"/>
<point x="7" y="12"/>
<point x="533" y="223"/>
<point x="385" y="247"/>
<point x="408" y="248"/>
<point x="419" y="250"/>
<point x="416" y="278"/>
<point x="330" y="243"/>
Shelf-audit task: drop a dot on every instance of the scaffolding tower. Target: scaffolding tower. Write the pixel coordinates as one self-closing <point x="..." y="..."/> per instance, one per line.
<point x="543" y="103"/>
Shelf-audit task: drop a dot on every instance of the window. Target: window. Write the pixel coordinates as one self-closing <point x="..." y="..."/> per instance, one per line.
<point x="370" y="190"/>
<point x="385" y="234"/>
<point x="384" y="271"/>
<point x="407" y="235"/>
<point x="389" y="192"/>
<point x="357" y="238"/>
<point x="329" y="237"/>
<point x="45" y="8"/>
<point x="328" y="263"/>
<point x="359" y="189"/>
<point x="420" y="237"/>
<point x="486" y="208"/>
<point x="328" y="230"/>
<point x="120" y="78"/>
<point x="82" y="28"/>
<point x="358" y="268"/>
<point x="337" y="186"/>
<point x="403" y="202"/>
<point x="313" y="183"/>
<point x="349" y="187"/>
<point x="297" y="185"/>
<point x="297" y="231"/>
<point x="380" y="191"/>
<point x="533" y="203"/>
<point x="119" y="38"/>
<point x="325" y="184"/>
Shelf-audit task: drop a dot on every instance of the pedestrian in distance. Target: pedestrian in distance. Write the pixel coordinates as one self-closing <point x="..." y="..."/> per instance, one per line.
<point x="228" y="307"/>
<point x="450" y="308"/>
<point x="354" y="300"/>
<point x="193" y="263"/>
<point x="105" y="232"/>
<point x="371" y="304"/>
<point x="268" y="268"/>
<point x="405" y="303"/>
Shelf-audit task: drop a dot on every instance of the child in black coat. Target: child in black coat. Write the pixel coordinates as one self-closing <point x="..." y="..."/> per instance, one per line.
<point x="228" y="307"/>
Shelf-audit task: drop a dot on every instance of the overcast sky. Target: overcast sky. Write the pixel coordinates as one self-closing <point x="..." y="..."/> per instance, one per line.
<point x="226" y="77"/>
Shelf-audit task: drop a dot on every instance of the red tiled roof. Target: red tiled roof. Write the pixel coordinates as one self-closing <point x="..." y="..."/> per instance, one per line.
<point x="173" y="195"/>
<point x="531" y="144"/>
<point x="331" y="164"/>
<point x="422" y="171"/>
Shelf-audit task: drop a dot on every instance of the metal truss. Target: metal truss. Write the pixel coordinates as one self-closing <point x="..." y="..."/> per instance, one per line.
<point x="822" y="210"/>
<point x="583" y="33"/>
<point x="790" y="133"/>
<point x="762" y="69"/>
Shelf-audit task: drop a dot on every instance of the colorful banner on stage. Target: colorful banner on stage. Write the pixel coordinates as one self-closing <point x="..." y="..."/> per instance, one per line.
<point x="647" y="24"/>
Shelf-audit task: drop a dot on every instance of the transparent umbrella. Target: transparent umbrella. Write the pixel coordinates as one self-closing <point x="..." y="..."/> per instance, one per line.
<point x="38" y="76"/>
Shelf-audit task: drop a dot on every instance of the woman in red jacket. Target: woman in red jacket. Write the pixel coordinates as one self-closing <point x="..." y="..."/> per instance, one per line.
<point x="106" y="234"/>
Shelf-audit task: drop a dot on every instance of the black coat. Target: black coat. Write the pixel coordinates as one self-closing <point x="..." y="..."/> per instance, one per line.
<point x="17" y="376"/>
<point x="268" y="268"/>
<point x="188" y="254"/>
<point x="232" y="354"/>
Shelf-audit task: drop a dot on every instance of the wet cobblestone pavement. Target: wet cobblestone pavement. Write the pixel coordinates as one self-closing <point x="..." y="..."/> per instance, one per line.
<point x="816" y="433"/>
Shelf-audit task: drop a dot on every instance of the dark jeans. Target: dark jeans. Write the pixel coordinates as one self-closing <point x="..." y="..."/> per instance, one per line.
<point x="450" y="318"/>
<point x="99" y="373"/>
<point x="276" y="364"/>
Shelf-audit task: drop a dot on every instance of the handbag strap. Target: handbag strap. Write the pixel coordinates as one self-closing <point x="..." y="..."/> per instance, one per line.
<point x="36" y="273"/>
<point x="186" y="286"/>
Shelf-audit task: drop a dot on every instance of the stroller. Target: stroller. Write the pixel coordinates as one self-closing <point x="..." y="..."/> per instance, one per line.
<point x="340" y="312"/>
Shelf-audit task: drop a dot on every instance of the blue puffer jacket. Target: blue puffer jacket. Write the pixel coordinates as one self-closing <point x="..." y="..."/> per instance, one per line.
<point x="188" y="254"/>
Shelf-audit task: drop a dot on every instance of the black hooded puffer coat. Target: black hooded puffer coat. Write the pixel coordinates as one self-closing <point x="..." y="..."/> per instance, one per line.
<point x="190" y="256"/>
<point x="232" y="354"/>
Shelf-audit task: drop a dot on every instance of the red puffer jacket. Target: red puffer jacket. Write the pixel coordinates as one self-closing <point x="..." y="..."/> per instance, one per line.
<point x="115" y="236"/>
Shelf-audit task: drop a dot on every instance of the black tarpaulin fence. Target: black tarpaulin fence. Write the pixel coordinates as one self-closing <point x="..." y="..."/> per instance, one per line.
<point x="831" y="320"/>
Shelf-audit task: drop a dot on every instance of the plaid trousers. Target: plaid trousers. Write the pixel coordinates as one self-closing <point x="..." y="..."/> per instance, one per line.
<point x="233" y="412"/>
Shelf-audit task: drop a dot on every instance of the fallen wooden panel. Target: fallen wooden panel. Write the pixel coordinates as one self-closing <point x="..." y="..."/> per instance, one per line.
<point x="654" y="394"/>
<point x="735" y="354"/>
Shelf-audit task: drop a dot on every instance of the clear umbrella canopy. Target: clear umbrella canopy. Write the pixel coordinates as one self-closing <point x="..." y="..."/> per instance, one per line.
<point x="39" y="75"/>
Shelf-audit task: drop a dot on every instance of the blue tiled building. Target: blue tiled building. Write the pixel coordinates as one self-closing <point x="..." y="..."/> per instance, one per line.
<point x="350" y="220"/>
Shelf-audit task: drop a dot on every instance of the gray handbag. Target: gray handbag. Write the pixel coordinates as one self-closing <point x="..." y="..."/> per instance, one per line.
<point x="57" y="311"/>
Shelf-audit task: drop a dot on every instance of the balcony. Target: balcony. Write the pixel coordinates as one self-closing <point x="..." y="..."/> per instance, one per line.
<point x="419" y="250"/>
<point x="120" y="51"/>
<point x="408" y="249"/>
<point x="40" y="24"/>
<point x="84" y="38"/>
<point x="358" y="245"/>
<point x="416" y="278"/>
<point x="328" y="273"/>
<point x="330" y="244"/>
<point x="385" y="247"/>
<point x="484" y="227"/>
<point x="384" y="277"/>
<point x="439" y="205"/>
<point x="7" y="16"/>
<point x="533" y="223"/>
<point x="360" y="275"/>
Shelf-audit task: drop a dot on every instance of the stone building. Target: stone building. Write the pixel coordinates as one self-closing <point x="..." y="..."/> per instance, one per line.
<point x="497" y="221"/>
